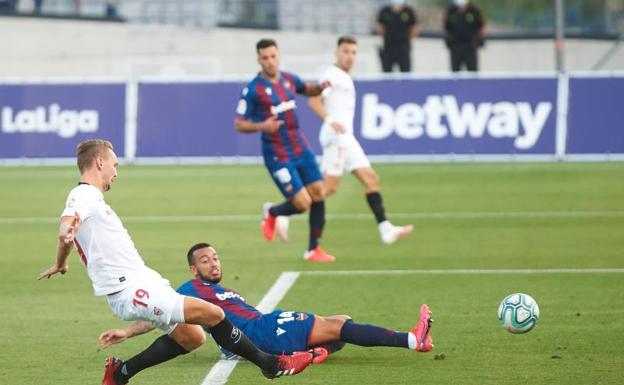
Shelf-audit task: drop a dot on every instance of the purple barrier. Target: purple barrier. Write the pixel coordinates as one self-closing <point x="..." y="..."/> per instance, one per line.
<point x="49" y="120"/>
<point x="596" y="116"/>
<point x="196" y="119"/>
<point x="465" y="116"/>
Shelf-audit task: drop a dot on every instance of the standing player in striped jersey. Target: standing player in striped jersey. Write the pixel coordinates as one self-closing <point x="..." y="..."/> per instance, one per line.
<point x="267" y="105"/>
<point x="341" y="151"/>
<point x="133" y="290"/>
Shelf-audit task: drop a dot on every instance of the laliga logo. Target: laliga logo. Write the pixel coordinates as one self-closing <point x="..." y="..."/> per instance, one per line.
<point x="411" y="121"/>
<point x="66" y="123"/>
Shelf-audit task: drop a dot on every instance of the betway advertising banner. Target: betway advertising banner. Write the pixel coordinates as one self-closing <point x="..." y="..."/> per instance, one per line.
<point x="596" y="116"/>
<point x="49" y="120"/>
<point x="411" y="117"/>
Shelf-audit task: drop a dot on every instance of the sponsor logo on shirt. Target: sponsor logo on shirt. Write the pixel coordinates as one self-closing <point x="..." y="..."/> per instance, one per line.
<point x="283" y="107"/>
<point x="229" y="295"/>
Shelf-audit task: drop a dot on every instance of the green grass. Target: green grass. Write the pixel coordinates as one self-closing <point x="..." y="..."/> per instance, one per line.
<point x="49" y="329"/>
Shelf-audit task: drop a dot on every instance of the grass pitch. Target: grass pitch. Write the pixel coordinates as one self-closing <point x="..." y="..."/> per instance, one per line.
<point x="467" y="216"/>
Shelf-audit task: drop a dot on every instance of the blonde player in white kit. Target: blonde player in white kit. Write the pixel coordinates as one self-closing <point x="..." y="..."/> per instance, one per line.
<point x="133" y="290"/>
<point x="341" y="151"/>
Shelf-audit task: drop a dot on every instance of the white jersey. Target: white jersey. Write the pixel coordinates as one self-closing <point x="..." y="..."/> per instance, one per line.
<point x="103" y="243"/>
<point x="339" y="102"/>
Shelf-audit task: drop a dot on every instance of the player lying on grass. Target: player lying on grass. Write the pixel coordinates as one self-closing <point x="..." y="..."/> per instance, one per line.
<point x="133" y="290"/>
<point x="279" y="331"/>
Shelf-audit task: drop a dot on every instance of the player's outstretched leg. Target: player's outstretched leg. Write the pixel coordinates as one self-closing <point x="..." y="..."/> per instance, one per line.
<point x="417" y="339"/>
<point x="164" y="348"/>
<point x="111" y="366"/>
<point x="422" y="329"/>
<point x="389" y="232"/>
<point x="234" y="340"/>
<point x="290" y="365"/>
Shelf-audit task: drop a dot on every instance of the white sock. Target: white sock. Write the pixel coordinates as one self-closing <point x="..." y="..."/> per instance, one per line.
<point x="411" y="340"/>
<point x="384" y="226"/>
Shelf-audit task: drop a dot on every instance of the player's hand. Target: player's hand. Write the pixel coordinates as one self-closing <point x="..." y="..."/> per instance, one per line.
<point x="71" y="230"/>
<point x="339" y="128"/>
<point x="272" y="124"/>
<point x="112" y="337"/>
<point x="324" y="84"/>
<point x="51" y="271"/>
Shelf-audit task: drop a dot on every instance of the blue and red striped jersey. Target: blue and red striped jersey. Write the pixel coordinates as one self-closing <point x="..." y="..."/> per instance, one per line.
<point x="260" y="99"/>
<point x="235" y="307"/>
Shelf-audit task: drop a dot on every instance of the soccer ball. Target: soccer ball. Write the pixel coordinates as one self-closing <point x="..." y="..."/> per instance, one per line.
<point x="518" y="313"/>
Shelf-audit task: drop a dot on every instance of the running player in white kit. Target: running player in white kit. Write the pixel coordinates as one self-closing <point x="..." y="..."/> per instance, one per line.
<point x="341" y="151"/>
<point x="133" y="290"/>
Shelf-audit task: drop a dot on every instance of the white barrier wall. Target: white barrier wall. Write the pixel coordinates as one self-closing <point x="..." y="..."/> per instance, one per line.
<point x="45" y="48"/>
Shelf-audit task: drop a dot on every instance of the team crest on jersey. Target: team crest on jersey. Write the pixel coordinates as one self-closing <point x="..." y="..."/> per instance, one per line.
<point x="158" y="312"/>
<point x="287" y="84"/>
<point x="301" y="316"/>
<point x="71" y="202"/>
<point x="268" y="91"/>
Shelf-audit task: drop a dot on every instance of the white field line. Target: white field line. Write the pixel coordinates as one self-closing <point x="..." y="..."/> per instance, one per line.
<point x="346" y="216"/>
<point x="221" y="371"/>
<point x="464" y="271"/>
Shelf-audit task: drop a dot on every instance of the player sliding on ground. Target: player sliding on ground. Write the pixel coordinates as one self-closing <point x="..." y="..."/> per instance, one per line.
<point x="280" y="331"/>
<point x="133" y="290"/>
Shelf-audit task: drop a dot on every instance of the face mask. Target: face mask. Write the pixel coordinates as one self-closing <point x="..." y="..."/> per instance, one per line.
<point x="460" y="3"/>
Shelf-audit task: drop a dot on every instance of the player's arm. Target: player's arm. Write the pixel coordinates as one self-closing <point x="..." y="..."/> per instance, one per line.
<point x="67" y="232"/>
<point x="270" y="125"/>
<point x="315" y="89"/>
<point x="117" y="336"/>
<point x="244" y="112"/>
<point x="316" y="105"/>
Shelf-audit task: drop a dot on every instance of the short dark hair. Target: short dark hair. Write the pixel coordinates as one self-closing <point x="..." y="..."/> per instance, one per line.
<point x="197" y="246"/>
<point x="265" y="43"/>
<point x="346" y="39"/>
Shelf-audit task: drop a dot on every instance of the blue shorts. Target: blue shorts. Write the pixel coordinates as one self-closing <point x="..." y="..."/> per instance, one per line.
<point x="281" y="332"/>
<point x="293" y="175"/>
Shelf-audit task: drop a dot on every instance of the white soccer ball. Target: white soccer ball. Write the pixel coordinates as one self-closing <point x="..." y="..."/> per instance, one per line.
<point x="518" y="313"/>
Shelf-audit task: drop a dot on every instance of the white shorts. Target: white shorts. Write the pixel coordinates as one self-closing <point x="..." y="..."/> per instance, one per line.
<point x="343" y="154"/>
<point x="151" y="300"/>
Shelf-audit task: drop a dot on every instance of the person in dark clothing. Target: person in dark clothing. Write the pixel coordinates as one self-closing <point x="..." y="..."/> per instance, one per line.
<point x="463" y="34"/>
<point x="397" y="24"/>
